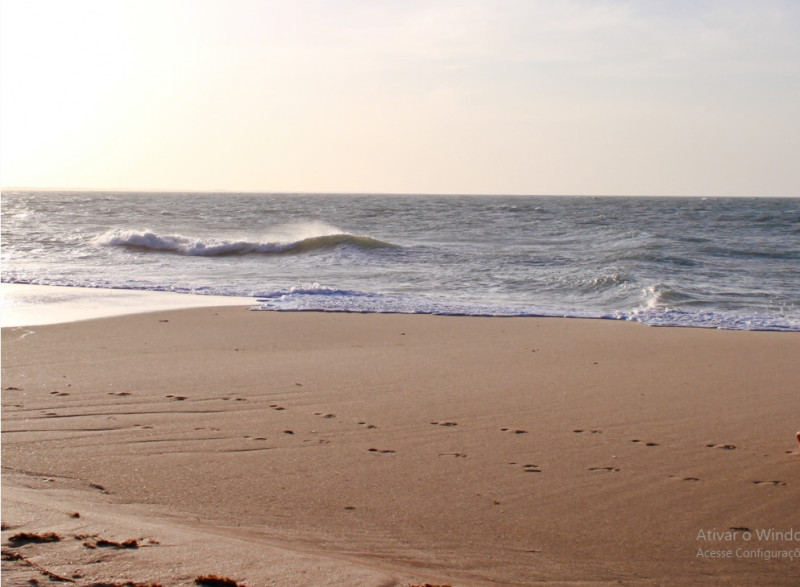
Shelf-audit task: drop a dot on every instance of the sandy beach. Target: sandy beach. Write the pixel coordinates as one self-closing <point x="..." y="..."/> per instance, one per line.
<point x="374" y="449"/>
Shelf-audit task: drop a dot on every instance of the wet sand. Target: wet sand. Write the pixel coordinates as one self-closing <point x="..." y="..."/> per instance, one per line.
<point x="326" y="449"/>
<point x="25" y="304"/>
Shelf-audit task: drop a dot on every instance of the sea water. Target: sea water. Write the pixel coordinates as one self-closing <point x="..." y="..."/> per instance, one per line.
<point x="714" y="262"/>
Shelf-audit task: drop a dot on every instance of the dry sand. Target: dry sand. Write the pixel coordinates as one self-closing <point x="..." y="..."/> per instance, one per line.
<point x="349" y="449"/>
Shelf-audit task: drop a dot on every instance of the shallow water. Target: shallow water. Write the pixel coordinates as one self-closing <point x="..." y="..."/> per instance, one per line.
<point x="716" y="262"/>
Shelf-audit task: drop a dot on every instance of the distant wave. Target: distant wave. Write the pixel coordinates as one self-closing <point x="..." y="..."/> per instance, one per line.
<point x="184" y="245"/>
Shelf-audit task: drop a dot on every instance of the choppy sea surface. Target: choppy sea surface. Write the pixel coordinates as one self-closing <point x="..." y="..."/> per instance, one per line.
<point x="729" y="263"/>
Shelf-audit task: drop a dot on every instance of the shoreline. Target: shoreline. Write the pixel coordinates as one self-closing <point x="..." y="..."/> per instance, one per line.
<point x="36" y="305"/>
<point x="399" y="449"/>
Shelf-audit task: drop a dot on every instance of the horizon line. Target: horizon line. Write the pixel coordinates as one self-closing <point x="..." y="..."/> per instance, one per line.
<point x="367" y="193"/>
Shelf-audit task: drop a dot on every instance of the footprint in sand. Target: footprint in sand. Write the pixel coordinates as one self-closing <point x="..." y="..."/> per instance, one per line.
<point x="690" y="479"/>
<point x="610" y="469"/>
<point x="321" y="415"/>
<point x="383" y="452"/>
<point x="593" y="431"/>
<point x="367" y="426"/>
<point x="458" y="455"/>
<point x="722" y="446"/>
<point x="317" y="440"/>
<point x="528" y="468"/>
<point x="494" y="501"/>
<point x="444" y="423"/>
<point x="276" y="407"/>
<point x="515" y="431"/>
<point x="645" y="443"/>
<point x="769" y="482"/>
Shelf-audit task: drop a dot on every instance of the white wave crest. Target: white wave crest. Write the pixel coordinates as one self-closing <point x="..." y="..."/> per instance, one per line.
<point x="212" y="247"/>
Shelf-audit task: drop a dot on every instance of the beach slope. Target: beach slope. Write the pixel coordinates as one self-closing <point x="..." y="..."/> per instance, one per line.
<point x="366" y="449"/>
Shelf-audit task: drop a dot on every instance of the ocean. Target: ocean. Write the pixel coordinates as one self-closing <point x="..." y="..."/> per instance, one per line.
<point x="730" y="263"/>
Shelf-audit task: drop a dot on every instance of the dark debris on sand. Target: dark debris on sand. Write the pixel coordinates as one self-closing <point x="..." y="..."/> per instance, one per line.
<point x="216" y="581"/>
<point x="128" y="584"/>
<point x="132" y="543"/>
<point x="30" y="538"/>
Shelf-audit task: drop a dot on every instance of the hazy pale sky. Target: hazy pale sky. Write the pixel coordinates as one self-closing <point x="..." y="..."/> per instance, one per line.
<point x="638" y="97"/>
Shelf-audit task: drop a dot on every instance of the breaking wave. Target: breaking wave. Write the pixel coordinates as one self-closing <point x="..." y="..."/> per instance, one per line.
<point x="212" y="247"/>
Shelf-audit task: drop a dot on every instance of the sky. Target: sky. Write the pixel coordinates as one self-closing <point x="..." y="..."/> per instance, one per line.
<point x="637" y="97"/>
